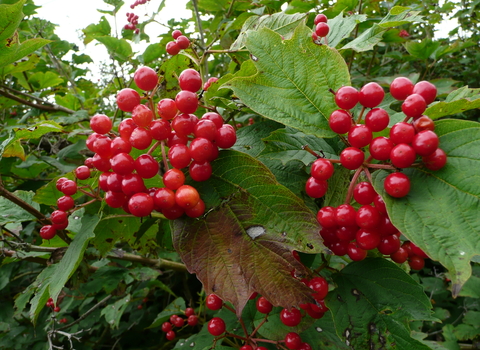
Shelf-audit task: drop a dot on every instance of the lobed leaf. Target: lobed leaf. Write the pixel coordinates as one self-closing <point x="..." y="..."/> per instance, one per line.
<point x="244" y="243"/>
<point x="373" y="304"/>
<point x="440" y="214"/>
<point x="293" y="80"/>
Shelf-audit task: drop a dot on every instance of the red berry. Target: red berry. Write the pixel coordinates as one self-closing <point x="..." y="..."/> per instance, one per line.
<point x="179" y="322"/>
<point x="213" y="302"/>
<point x="423" y="123"/>
<point x="190" y="80"/>
<point x="176" y="33"/>
<point x="427" y="90"/>
<point x="367" y="217"/>
<point x="126" y="128"/>
<point x="346" y="97"/>
<point x="56" y="309"/>
<point x="173" y="179"/>
<point x="339" y="248"/>
<point x="101" y="124"/>
<point x="397" y="185"/>
<point x="58" y="217"/>
<point x="316" y="188"/>
<point x="167" y="108"/>
<point x="402" y="155"/>
<point x="82" y="172"/>
<point x="69" y="187"/>
<point x="401" y="88"/>
<point x="142" y="115"/>
<point x="197" y="210"/>
<point x="183" y="42"/>
<point x="371" y="95"/>
<point x="364" y="193"/>
<point x="186" y="196"/>
<point x="115" y="199"/>
<point x="436" y="160"/>
<point x="377" y="119"/>
<point x="320" y="18"/>
<point x="425" y="143"/>
<point x="340" y="121"/>
<point x="322" y="29"/>
<point x="389" y="244"/>
<point x="304" y="346"/>
<point x="216" y="326"/>
<point x="202" y="150"/>
<point x="226" y="136"/>
<point x="164" y="198"/>
<point x="172" y="48"/>
<point x="179" y="156"/>
<point x="200" y="171"/>
<point x="187" y="101"/>
<point x="416" y="262"/>
<point x="214" y="117"/>
<point x="140" y="204"/>
<point x="122" y="164"/>
<point x="326" y="217"/>
<point x="352" y="158"/>
<point x="320" y="286"/>
<point x="160" y="129"/>
<point x="192" y="320"/>
<point x="417" y="251"/>
<point x="290" y="317"/>
<point x="246" y="347"/>
<point x="346" y="233"/>
<point x="128" y="99"/>
<point x="170" y="335"/>
<point x="400" y="256"/>
<point x="48" y="232"/>
<point x="355" y="252"/>
<point x="367" y="239"/>
<point x="132" y="184"/>
<point x="146" y="166"/>
<point x="146" y="78"/>
<point x="141" y="138"/>
<point x="359" y="135"/>
<point x="263" y="305"/>
<point x="414" y="106"/>
<point x="166" y="326"/>
<point x="293" y="341"/>
<point x="345" y="215"/>
<point x="189" y="311"/>
<point x="402" y="133"/>
<point x="120" y="145"/>
<point x="380" y="148"/>
<point x="205" y="128"/>
<point x="65" y="203"/>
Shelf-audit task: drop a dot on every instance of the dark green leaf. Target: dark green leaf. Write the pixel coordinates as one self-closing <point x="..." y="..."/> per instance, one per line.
<point x="341" y="27"/>
<point x="373" y="304"/>
<point x="292" y="85"/>
<point x="174" y="308"/>
<point x="10" y="212"/>
<point x="440" y="212"/>
<point x="248" y="237"/>
<point x="113" y="312"/>
<point x="280" y="23"/>
<point x="119" y="49"/>
<point x="152" y="53"/>
<point x="458" y="101"/>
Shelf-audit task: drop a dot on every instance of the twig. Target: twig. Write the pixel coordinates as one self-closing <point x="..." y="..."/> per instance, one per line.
<point x="92" y="309"/>
<point x="54" y="108"/>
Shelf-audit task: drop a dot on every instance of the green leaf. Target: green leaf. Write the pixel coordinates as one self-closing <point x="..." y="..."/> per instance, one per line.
<point x="113" y="312"/>
<point x="152" y="53"/>
<point x="11" y="16"/>
<point x="369" y="38"/>
<point x="323" y="334"/>
<point x="40" y="286"/>
<point x="471" y="288"/>
<point x="45" y="80"/>
<point x="280" y="23"/>
<point x="293" y="80"/>
<point x="14" y="51"/>
<point x="15" y="149"/>
<point x="341" y="27"/>
<point x="458" y="101"/>
<point x="440" y="214"/>
<point x="11" y="212"/>
<point x="373" y="304"/>
<point x="94" y="31"/>
<point x="244" y="243"/>
<point x="422" y="50"/>
<point x="37" y="130"/>
<point x="213" y="5"/>
<point x="119" y="49"/>
<point x="250" y="138"/>
<point x="73" y="256"/>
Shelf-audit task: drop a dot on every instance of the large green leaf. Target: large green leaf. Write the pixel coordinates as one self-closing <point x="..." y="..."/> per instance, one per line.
<point x="74" y="255"/>
<point x="244" y="243"/>
<point x="11" y="16"/>
<point x="440" y="214"/>
<point x="458" y="101"/>
<point x="96" y="30"/>
<point x="293" y="80"/>
<point x="11" y="212"/>
<point x="119" y="49"/>
<point x="280" y="23"/>
<point x="341" y="27"/>
<point x="373" y="304"/>
<point x="369" y="38"/>
<point x="14" y="51"/>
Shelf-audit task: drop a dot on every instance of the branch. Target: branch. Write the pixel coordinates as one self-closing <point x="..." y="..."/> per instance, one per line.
<point x="92" y="309"/>
<point x="54" y="108"/>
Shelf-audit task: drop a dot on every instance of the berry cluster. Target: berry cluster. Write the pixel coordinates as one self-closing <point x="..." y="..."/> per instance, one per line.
<point x="179" y="322"/>
<point x="321" y="28"/>
<point x="138" y="2"/>
<point x="51" y="305"/>
<point x="180" y="42"/>
<point x="132" y="23"/>
<point x="289" y="317"/>
<point x="346" y="230"/>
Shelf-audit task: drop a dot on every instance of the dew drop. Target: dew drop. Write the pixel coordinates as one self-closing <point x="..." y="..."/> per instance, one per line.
<point x="462" y="253"/>
<point x="192" y="344"/>
<point x="254" y="58"/>
<point x="255" y="231"/>
<point x="318" y="329"/>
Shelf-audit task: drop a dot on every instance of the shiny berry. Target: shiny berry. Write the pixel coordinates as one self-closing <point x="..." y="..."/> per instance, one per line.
<point x="346" y="97"/>
<point x="397" y="185"/>
<point x="371" y="95"/>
